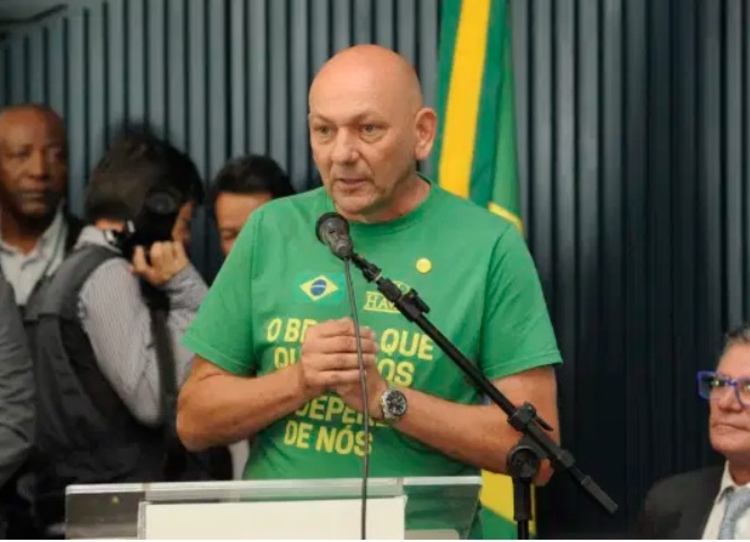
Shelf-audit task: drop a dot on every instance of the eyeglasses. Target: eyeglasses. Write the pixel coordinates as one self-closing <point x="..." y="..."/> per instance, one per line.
<point x="712" y="386"/>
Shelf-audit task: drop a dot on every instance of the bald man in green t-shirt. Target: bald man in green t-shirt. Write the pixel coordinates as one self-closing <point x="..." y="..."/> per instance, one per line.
<point x="275" y="350"/>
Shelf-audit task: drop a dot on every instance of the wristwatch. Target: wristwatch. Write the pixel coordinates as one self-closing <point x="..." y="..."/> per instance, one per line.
<point x="394" y="404"/>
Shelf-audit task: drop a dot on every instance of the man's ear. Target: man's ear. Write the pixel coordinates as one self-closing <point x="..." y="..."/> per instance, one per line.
<point x="425" y="126"/>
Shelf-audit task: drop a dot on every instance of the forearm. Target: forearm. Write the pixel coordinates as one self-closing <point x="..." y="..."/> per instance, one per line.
<point x="475" y="434"/>
<point x="141" y="388"/>
<point x="120" y="337"/>
<point x="117" y="321"/>
<point x="217" y="408"/>
<point x="186" y="290"/>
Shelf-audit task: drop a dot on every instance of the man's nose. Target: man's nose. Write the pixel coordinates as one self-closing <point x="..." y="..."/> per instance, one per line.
<point x="344" y="149"/>
<point x="38" y="166"/>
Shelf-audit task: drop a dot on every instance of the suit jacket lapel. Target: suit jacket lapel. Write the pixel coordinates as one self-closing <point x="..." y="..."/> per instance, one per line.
<point x="694" y="518"/>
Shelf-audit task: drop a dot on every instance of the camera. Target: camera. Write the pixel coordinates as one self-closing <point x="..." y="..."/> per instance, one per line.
<point x="154" y="222"/>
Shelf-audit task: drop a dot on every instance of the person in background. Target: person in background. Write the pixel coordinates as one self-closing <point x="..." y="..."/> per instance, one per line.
<point x="713" y="502"/>
<point x="16" y="410"/>
<point x="242" y="186"/>
<point x="103" y="417"/>
<point x="36" y="230"/>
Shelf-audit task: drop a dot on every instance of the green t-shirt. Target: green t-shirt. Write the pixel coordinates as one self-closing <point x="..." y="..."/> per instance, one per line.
<point x="471" y="267"/>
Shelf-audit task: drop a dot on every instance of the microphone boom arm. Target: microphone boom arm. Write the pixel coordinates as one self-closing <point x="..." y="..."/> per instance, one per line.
<point x="534" y="446"/>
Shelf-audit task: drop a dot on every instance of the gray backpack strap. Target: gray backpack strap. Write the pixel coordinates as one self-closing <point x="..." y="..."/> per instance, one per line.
<point x="59" y="296"/>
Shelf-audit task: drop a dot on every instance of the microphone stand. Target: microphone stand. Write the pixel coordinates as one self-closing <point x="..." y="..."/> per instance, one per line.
<point x="534" y="446"/>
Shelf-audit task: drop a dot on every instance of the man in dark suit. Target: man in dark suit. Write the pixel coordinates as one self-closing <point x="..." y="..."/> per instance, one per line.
<point x="713" y="502"/>
<point x="678" y="507"/>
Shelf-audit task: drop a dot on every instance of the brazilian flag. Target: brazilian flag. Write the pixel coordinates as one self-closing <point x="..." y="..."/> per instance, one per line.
<point x="476" y="143"/>
<point x="476" y="153"/>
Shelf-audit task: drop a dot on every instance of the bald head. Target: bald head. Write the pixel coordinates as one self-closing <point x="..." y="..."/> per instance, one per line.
<point x="368" y="130"/>
<point x="32" y="113"/>
<point x="390" y="78"/>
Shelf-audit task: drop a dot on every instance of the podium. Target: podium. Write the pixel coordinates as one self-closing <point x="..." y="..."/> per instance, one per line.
<point x="397" y="508"/>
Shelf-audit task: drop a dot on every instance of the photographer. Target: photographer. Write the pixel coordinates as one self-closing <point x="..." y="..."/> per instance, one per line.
<point x="104" y="414"/>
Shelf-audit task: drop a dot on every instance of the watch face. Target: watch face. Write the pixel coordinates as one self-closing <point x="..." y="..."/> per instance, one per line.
<point x="396" y="403"/>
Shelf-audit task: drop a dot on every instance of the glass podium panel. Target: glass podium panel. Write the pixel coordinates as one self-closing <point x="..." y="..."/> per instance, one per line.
<point x="436" y="507"/>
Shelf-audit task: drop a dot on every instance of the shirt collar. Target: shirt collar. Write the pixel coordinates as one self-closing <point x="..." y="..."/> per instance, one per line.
<point x="91" y="235"/>
<point x="48" y="238"/>
<point x="727" y="484"/>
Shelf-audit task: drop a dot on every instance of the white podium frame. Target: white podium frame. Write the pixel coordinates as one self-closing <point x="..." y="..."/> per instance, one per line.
<point x="411" y="508"/>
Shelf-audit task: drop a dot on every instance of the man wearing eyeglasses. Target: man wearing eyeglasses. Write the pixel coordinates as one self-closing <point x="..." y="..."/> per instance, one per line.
<point x="712" y="503"/>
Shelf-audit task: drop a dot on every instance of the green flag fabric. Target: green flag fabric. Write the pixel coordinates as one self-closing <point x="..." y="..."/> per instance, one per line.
<point x="476" y="154"/>
<point x="476" y="143"/>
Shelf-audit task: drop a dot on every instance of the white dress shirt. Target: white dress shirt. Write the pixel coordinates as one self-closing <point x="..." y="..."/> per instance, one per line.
<point x="24" y="271"/>
<point x="711" y="531"/>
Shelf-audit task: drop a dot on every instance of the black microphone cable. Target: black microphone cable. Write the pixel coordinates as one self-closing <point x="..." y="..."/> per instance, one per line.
<point x="365" y="400"/>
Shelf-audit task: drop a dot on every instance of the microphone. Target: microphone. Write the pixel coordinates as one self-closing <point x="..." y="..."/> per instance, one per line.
<point x="332" y="230"/>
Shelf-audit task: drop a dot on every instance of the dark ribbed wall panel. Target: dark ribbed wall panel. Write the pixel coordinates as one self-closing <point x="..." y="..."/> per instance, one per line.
<point x="220" y="77"/>
<point x="634" y="142"/>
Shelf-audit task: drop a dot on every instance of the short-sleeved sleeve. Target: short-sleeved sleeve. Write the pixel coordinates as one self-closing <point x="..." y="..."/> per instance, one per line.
<point x="517" y="333"/>
<point x="222" y="329"/>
